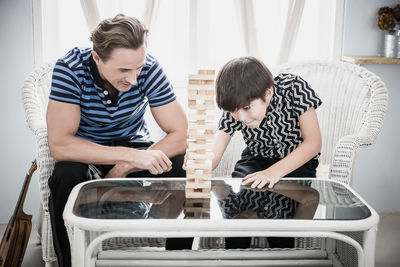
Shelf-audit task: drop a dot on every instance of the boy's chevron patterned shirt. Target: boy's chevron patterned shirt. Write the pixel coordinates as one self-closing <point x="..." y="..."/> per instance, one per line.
<point x="279" y="133"/>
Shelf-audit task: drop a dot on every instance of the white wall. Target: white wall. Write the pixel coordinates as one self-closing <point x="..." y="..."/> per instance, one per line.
<point x="378" y="169"/>
<point x="16" y="142"/>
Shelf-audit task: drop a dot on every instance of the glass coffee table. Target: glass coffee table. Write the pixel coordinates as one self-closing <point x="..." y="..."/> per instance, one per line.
<point x="100" y="210"/>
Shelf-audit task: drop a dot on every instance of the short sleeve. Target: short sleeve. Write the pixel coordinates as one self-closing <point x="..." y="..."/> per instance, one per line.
<point x="157" y="87"/>
<point x="304" y="97"/>
<point x="65" y="84"/>
<point x="228" y="124"/>
<point x="230" y="206"/>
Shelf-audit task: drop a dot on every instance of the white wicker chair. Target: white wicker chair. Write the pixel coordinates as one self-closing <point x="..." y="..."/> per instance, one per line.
<point x="354" y="102"/>
<point x="35" y="94"/>
<point x="350" y="117"/>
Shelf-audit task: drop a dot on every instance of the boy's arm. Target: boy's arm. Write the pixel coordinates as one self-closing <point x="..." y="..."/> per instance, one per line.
<point x="304" y="152"/>
<point x="221" y="141"/>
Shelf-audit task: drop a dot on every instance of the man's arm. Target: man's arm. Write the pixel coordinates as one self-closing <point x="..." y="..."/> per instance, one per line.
<point x="62" y="124"/>
<point x="172" y="120"/>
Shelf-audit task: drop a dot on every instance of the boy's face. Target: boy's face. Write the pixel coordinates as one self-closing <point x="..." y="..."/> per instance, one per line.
<point x="254" y="113"/>
<point x="122" y="68"/>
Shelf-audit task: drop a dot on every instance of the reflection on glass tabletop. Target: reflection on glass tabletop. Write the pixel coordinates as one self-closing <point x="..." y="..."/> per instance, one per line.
<point x="165" y="199"/>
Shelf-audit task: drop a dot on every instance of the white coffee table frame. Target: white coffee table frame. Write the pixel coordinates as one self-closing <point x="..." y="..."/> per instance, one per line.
<point x="80" y="253"/>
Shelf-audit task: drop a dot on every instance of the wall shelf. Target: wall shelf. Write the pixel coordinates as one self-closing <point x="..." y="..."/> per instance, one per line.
<point x="370" y="60"/>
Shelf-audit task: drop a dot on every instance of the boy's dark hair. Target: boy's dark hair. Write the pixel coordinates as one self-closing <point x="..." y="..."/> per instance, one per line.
<point x="241" y="81"/>
<point x="120" y="31"/>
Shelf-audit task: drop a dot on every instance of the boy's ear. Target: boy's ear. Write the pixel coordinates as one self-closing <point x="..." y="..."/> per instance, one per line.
<point x="269" y="92"/>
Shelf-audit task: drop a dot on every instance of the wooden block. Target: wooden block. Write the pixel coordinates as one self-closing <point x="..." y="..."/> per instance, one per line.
<point x="199" y="176"/>
<point x="201" y="77"/>
<point x="198" y="183"/>
<point x="196" y="193"/>
<point x="205" y="117"/>
<point x="200" y="106"/>
<point x="192" y="92"/>
<point x="196" y="214"/>
<point x="207" y="126"/>
<point x="204" y="136"/>
<point x="191" y="170"/>
<point x="197" y="203"/>
<point x="193" y="96"/>
<point x="199" y="141"/>
<point x="206" y="72"/>
<point x="195" y="146"/>
<point x="205" y="92"/>
<point x="200" y="165"/>
<point x="203" y="86"/>
<point x="194" y="155"/>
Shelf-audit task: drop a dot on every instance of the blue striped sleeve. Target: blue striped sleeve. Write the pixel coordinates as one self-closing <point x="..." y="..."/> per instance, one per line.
<point x="157" y="87"/>
<point x="65" y="85"/>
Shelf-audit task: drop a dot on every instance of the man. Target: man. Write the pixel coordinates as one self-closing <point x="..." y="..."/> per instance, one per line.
<point x="95" y="116"/>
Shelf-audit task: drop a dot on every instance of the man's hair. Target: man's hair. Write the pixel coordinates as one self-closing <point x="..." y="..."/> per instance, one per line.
<point x="241" y="81"/>
<point x="120" y="31"/>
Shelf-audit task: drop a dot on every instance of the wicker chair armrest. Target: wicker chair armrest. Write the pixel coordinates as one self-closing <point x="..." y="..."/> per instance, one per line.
<point x="346" y="150"/>
<point x="45" y="165"/>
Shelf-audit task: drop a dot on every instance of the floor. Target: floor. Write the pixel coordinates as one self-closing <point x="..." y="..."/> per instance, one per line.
<point x="387" y="244"/>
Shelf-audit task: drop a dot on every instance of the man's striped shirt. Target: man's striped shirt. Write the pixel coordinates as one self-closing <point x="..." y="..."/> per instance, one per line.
<point x="279" y="132"/>
<point x="104" y="119"/>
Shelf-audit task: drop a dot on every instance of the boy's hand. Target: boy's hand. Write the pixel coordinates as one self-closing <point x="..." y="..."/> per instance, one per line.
<point x="261" y="178"/>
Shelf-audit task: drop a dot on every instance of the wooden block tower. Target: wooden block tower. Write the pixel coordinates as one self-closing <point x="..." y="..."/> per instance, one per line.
<point x="200" y="135"/>
<point x="197" y="208"/>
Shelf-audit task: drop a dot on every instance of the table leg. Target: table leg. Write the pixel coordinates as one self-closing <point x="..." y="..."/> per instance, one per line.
<point x="369" y="241"/>
<point x="78" y="247"/>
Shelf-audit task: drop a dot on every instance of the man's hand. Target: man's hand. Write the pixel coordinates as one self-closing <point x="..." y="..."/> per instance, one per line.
<point x="155" y="161"/>
<point x="261" y="178"/>
<point x="120" y="170"/>
<point x="184" y="165"/>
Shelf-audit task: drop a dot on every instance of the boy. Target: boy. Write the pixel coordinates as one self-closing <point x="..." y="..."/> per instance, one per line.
<point x="279" y="125"/>
<point x="277" y="118"/>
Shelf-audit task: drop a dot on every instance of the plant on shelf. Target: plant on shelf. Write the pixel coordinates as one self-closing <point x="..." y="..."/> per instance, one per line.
<point x="388" y="17"/>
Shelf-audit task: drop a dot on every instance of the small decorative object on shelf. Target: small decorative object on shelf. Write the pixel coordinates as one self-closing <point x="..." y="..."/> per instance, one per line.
<point x="389" y="21"/>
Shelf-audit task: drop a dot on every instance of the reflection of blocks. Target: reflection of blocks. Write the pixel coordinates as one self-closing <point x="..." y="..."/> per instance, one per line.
<point x="197" y="208"/>
<point x="200" y="134"/>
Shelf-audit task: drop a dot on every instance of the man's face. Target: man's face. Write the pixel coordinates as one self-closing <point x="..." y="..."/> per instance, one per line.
<point x="122" y="68"/>
<point x="254" y="113"/>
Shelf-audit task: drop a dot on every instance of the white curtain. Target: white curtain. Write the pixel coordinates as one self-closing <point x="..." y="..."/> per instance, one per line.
<point x="245" y="11"/>
<point x="186" y="35"/>
<point x="91" y="12"/>
<point x="150" y="12"/>
<point x="293" y="19"/>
